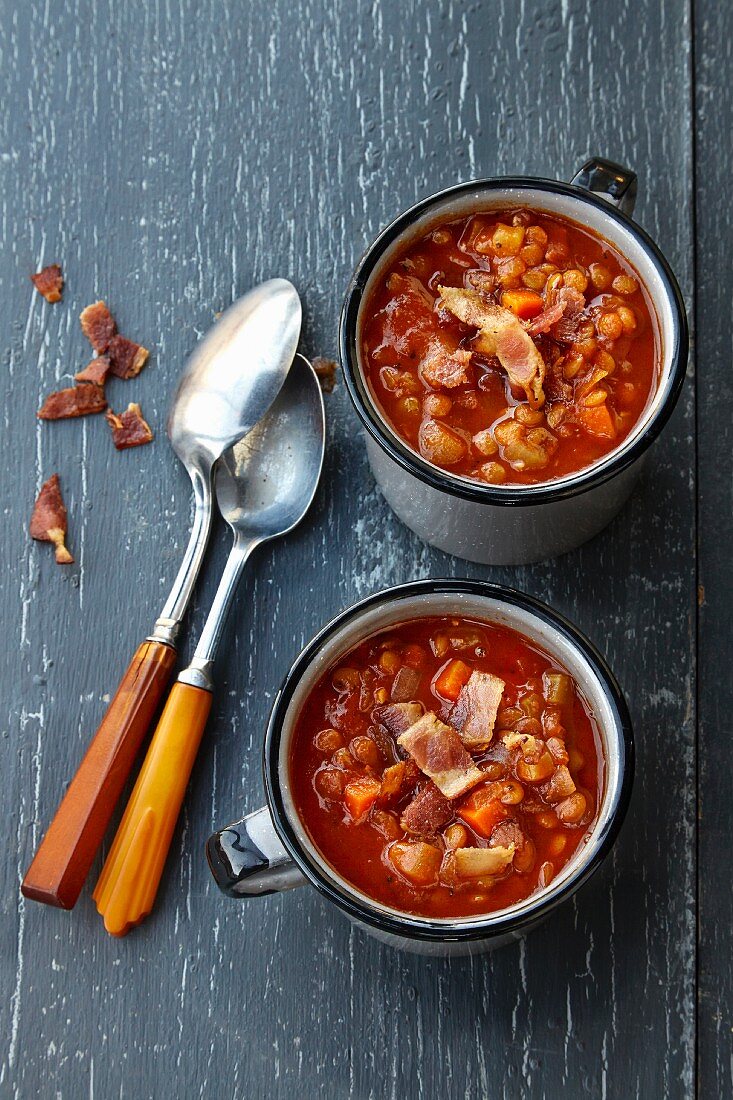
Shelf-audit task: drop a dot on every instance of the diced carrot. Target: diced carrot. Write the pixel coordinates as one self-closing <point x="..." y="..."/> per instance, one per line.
<point x="360" y="795"/>
<point x="597" y="420"/>
<point x="451" y="679"/>
<point x="482" y="811"/>
<point x="523" y="303"/>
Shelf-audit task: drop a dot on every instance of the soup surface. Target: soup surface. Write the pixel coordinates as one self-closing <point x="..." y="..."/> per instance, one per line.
<point x="446" y="767"/>
<point x="511" y="347"/>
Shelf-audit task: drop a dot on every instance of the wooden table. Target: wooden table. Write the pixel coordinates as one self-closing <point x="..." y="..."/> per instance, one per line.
<point x="169" y="156"/>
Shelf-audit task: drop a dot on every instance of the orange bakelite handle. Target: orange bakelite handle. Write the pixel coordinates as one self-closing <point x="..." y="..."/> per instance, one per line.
<point x="127" y="886"/>
<point x="67" y="851"/>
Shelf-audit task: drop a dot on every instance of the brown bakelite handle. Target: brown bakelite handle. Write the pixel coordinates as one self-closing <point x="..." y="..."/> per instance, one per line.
<point x="67" y="851"/>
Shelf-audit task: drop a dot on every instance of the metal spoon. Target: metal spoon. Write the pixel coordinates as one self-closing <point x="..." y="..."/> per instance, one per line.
<point x="264" y="487"/>
<point x="230" y="381"/>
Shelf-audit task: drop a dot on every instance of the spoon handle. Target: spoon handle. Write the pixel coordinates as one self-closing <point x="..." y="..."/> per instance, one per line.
<point x="129" y="881"/>
<point x="67" y="851"/>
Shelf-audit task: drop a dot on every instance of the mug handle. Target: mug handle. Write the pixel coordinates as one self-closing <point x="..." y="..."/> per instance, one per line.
<point x="610" y="181"/>
<point x="248" y="860"/>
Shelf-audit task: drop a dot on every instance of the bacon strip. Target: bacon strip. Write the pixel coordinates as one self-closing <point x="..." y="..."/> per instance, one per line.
<point x="98" y="325"/>
<point x="427" y="813"/>
<point x="474" y="713"/>
<point x="446" y="367"/>
<point x="544" y="321"/>
<point x="566" y="331"/>
<point x="477" y="862"/>
<point x="74" y="401"/>
<point x="500" y="334"/>
<point x="129" y="429"/>
<point x="48" y="519"/>
<point x="439" y="752"/>
<point x="95" y="372"/>
<point x="398" y="717"/>
<point x="126" y="358"/>
<point x="49" y="282"/>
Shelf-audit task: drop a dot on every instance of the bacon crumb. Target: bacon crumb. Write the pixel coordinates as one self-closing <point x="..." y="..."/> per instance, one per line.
<point x="129" y="429"/>
<point x="48" y="520"/>
<point x="326" y="370"/>
<point x="49" y="282"/>
<point x="98" y="325"/>
<point x="126" y="357"/>
<point x="74" y="401"/>
<point x="96" y="371"/>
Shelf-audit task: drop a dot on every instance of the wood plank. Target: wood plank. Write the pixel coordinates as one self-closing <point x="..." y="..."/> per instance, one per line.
<point x="714" y="117"/>
<point x="169" y="156"/>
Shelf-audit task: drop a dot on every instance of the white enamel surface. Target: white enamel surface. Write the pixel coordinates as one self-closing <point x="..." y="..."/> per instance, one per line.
<point x="397" y="610"/>
<point x="584" y="214"/>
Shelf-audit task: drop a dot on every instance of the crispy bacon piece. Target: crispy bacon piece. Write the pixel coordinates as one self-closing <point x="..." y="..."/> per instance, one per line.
<point x="126" y="358"/>
<point x="98" y="325"/>
<point x="398" y="717"/>
<point x="507" y="833"/>
<point x="129" y="429"/>
<point x="549" y="316"/>
<point x="474" y="713"/>
<point x="439" y="752"/>
<point x="444" y="367"/>
<point x="326" y="371"/>
<point x="427" y="813"/>
<point x="95" y="372"/>
<point x="500" y="334"/>
<point x="74" y="401"/>
<point x="48" y="520"/>
<point x="478" y="862"/>
<point x="49" y="282"/>
<point x="566" y="329"/>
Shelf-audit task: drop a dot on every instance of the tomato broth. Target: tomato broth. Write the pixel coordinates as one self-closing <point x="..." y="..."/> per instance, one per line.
<point x="446" y="767"/>
<point x="511" y="347"/>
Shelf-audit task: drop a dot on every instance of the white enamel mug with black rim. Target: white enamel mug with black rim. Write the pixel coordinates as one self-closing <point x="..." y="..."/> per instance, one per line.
<point x="514" y="524"/>
<point x="270" y="850"/>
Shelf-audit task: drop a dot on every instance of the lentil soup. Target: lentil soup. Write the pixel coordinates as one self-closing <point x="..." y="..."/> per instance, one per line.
<point x="511" y="347"/>
<point x="446" y="767"/>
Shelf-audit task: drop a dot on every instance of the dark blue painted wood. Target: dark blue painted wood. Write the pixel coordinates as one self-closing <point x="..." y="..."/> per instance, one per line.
<point x="170" y="155"/>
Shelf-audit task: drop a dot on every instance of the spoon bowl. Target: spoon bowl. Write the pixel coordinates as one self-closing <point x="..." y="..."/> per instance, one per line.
<point x="265" y="483"/>
<point x="235" y="372"/>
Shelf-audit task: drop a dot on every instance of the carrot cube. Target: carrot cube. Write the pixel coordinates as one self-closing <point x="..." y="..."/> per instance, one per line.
<point x="523" y="303"/>
<point x="360" y="796"/>
<point x="482" y="811"/>
<point x="451" y="679"/>
<point x="597" y="420"/>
